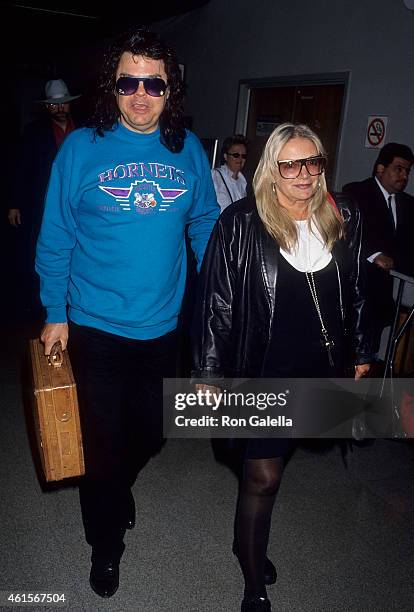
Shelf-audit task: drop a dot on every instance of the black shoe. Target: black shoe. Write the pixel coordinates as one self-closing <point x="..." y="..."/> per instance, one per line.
<point x="130" y="521"/>
<point x="104" y="577"/>
<point x="255" y="604"/>
<point x="270" y="573"/>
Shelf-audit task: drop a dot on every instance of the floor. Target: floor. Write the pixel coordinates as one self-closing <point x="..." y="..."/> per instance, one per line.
<point x="342" y="534"/>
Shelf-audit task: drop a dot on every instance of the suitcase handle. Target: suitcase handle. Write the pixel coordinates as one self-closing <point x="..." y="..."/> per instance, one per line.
<point x="56" y="355"/>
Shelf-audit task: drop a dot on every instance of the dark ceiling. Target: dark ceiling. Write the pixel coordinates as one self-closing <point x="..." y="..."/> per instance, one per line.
<point x="42" y="40"/>
<point x="50" y="23"/>
<point x="145" y="12"/>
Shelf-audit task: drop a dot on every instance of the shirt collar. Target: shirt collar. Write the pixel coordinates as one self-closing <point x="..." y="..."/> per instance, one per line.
<point x="384" y="191"/>
<point x="224" y="168"/>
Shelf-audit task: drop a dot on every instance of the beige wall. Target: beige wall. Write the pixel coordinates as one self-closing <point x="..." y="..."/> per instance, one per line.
<point x="227" y="41"/>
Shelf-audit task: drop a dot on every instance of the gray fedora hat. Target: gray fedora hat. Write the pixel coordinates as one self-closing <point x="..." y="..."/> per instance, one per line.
<point x="57" y="92"/>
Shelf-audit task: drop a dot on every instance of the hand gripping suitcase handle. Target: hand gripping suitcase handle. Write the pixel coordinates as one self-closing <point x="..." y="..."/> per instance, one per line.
<point x="56" y="355"/>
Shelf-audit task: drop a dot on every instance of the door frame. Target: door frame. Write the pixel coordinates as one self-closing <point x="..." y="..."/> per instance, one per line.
<point x="325" y="78"/>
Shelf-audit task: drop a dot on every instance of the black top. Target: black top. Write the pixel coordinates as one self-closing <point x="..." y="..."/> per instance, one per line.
<point x="237" y="297"/>
<point x="296" y="349"/>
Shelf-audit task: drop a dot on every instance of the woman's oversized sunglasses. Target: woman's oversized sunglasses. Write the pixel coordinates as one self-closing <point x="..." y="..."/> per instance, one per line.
<point x="154" y="86"/>
<point x="291" y="168"/>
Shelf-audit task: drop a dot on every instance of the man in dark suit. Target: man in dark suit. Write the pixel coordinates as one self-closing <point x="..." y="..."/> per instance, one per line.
<point x="39" y="144"/>
<point x="388" y="215"/>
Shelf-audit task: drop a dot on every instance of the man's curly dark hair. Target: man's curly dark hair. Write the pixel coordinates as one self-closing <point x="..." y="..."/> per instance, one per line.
<point x="106" y="112"/>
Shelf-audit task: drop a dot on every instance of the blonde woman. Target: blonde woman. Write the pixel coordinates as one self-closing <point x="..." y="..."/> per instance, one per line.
<point x="281" y="295"/>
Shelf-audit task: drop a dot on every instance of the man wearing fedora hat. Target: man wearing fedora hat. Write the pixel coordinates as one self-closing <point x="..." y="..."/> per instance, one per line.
<point x="41" y="139"/>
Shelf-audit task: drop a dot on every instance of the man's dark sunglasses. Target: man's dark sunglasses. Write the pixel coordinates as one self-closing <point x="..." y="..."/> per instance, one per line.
<point x="237" y="155"/>
<point x="154" y="86"/>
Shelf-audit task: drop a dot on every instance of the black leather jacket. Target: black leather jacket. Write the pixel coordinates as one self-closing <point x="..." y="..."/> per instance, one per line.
<point x="237" y="293"/>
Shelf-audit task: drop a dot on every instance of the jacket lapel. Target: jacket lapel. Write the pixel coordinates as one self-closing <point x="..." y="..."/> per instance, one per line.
<point x="269" y="263"/>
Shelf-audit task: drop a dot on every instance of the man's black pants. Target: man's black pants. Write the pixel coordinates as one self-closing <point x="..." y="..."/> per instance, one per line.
<point x="119" y="382"/>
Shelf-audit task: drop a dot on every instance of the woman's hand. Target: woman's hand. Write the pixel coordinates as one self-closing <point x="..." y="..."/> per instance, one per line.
<point x="362" y="370"/>
<point x="203" y="388"/>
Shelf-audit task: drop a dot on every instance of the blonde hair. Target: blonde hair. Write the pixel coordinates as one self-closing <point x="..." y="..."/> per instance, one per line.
<point x="274" y="216"/>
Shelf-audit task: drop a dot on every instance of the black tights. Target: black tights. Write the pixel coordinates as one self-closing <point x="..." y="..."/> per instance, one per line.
<point x="258" y="488"/>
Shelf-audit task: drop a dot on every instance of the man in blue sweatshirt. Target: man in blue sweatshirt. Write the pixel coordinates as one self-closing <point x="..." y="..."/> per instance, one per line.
<point x="112" y="264"/>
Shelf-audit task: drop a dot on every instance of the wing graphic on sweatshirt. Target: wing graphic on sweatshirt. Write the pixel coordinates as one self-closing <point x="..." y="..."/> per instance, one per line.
<point x="142" y="193"/>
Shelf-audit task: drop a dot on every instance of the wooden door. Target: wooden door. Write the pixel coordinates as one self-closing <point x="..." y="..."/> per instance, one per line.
<point x="318" y="106"/>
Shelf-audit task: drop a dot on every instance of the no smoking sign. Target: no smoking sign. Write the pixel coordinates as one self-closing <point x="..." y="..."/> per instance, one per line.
<point x="376" y="129"/>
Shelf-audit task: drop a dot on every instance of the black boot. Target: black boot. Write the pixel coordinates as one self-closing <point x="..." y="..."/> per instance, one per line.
<point x="104" y="576"/>
<point x="255" y="604"/>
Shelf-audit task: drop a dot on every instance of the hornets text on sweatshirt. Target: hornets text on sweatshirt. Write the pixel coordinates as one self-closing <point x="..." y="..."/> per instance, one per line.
<point x="112" y="242"/>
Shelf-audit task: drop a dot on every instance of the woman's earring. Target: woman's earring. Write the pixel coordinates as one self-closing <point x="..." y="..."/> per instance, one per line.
<point x="319" y="185"/>
<point x="273" y="187"/>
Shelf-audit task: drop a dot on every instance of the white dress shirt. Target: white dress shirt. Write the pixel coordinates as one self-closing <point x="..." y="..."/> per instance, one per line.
<point x="310" y="254"/>
<point x="236" y="187"/>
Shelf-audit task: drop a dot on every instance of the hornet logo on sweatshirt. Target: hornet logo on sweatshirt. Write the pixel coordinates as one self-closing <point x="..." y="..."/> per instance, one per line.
<point x="143" y="195"/>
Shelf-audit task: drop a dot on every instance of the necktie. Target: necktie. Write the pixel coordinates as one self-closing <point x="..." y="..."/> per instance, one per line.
<point x="390" y="213"/>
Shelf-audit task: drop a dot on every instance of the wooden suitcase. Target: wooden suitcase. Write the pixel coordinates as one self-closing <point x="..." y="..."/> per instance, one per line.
<point x="56" y="413"/>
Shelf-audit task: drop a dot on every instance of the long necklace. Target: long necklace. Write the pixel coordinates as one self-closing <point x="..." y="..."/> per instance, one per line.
<point x="326" y="341"/>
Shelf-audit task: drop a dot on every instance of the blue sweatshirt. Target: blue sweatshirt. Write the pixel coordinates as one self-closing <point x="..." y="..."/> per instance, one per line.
<point x="112" y="242"/>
